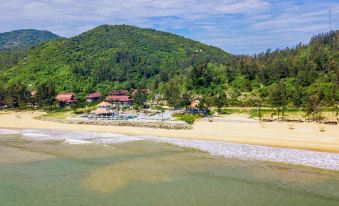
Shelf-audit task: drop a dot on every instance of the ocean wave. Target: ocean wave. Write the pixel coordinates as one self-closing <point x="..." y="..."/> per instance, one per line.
<point x="228" y="150"/>
<point x="7" y="131"/>
<point x="77" y="141"/>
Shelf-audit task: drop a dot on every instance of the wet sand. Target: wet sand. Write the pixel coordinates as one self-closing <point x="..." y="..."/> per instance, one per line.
<point x="234" y="129"/>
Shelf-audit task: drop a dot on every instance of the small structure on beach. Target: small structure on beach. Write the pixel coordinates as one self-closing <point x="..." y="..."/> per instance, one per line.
<point x="103" y="112"/>
<point x="119" y="100"/>
<point x="66" y="99"/>
<point x="194" y="108"/>
<point x="104" y="105"/>
<point x="93" y="96"/>
<point x="121" y="92"/>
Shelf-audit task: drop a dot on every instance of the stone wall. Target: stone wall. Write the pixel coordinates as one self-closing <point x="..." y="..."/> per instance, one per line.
<point x="124" y="123"/>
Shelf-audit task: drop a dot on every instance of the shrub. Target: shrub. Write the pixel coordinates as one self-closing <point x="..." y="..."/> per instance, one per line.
<point x="188" y="118"/>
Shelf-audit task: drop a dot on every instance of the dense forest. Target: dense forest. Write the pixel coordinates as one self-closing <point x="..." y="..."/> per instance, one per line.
<point x="176" y="69"/>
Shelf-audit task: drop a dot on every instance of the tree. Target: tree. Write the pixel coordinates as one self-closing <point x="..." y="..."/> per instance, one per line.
<point x="312" y="106"/>
<point x="278" y="96"/>
<point x="17" y="95"/>
<point x="2" y="96"/>
<point x="139" y="98"/>
<point x="297" y="96"/>
<point x="219" y="98"/>
<point x="172" y="93"/>
<point x="45" y="94"/>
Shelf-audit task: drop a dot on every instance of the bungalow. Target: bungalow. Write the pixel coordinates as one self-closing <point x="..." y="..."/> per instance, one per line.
<point x="93" y="96"/>
<point x="119" y="100"/>
<point x="65" y="99"/>
<point x="122" y="92"/>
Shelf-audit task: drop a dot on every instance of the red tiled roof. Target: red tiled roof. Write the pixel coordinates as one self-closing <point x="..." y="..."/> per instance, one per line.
<point x="119" y="92"/>
<point x="67" y="97"/>
<point x="118" y="98"/>
<point x="93" y="95"/>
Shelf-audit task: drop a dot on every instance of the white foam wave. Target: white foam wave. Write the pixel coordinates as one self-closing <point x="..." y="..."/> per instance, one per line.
<point x="117" y="140"/>
<point x="7" y="131"/>
<point x="35" y="135"/>
<point x="228" y="150"/>
<point x="251" y="152"/>
<point x="77" y="141"/>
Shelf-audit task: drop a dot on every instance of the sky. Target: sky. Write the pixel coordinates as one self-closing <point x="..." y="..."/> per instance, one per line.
<point x="236" y="26"/>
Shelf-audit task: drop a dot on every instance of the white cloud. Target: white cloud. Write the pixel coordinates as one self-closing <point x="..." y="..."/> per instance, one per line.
<point x="234" y="25"/>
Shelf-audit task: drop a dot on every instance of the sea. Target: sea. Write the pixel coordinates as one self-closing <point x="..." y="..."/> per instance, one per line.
<point x="61" y="168"/>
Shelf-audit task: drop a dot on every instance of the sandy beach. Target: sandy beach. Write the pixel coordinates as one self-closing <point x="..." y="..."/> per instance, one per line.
<point x="233" y="128"/>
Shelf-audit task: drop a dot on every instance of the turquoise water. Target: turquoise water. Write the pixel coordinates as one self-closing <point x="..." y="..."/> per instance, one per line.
<point x="150" y="173"/>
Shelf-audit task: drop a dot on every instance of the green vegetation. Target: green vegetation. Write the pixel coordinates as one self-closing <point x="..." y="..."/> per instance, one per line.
<point x="188" y="118"/>
<point x="58" y="114"/>
<point x="9" y="58"/>
<point x="177" y="71"/>
<point x="24" y="38"/>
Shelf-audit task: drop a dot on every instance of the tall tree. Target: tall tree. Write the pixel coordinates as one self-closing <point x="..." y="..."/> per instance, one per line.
<point x="278" y="96"/>
<point x="45" y="94"/>
<point x="172" y="93"/>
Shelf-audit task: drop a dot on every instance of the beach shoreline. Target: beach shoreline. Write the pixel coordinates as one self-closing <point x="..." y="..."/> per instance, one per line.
<point x="305" y="136"/>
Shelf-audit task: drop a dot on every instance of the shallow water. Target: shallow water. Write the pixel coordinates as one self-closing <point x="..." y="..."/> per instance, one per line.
<point x="46" y="171"/>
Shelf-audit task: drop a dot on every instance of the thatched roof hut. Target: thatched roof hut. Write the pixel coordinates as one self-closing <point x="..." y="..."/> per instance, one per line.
<point x="101" y="111"/>
<point x="104" y="104"/>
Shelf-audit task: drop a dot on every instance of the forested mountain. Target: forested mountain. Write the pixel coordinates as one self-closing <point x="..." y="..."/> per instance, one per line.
<point x="24" y="38"/>
<point x="110" y="56"/>
<point x="180" y="70"/>
<point x="15" y="44"/>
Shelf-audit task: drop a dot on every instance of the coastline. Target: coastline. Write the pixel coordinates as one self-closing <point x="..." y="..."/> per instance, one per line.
<point x="305" y="136"/>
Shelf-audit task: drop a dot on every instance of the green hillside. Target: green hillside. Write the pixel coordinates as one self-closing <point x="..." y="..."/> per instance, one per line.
<point x="110" y="56"/>
<point x="24" y="38"/>
<point x="15" y="44"/>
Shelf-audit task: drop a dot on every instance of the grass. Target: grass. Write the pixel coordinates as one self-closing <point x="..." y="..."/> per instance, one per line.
<point x="188" y="118"/>
<point x="59" y="114"/>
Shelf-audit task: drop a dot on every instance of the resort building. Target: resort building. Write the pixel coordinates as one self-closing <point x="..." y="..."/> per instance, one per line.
<point x="104" y="105"/>
<point x="93" y="97"/>
<point x="65" y="99"/>
<point x="119" y="100"/>
<point x="122" y="92"/>
<point x="102" y="112"/>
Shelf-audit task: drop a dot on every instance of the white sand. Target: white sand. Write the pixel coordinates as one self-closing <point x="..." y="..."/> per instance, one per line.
<point x="304" y="136"/>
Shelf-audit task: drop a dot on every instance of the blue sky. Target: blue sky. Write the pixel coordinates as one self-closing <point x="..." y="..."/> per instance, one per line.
<point x="237" y="26"/>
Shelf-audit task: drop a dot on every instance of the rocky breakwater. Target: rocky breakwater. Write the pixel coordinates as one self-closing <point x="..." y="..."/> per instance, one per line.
<point x="175" y="125"/>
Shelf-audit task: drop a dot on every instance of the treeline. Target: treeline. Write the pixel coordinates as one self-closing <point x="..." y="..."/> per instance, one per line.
<point x="302" y="77"/>
<point x="19" y="95"/>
